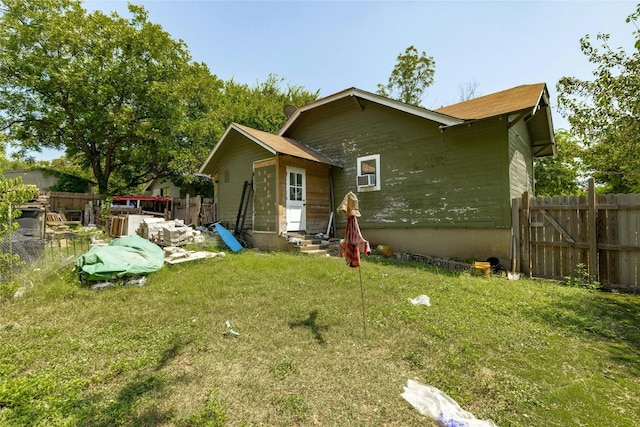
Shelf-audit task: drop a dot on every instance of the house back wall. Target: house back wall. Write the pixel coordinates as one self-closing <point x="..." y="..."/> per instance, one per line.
<point x="429" y="178"/>
<point x="461" y="243"/>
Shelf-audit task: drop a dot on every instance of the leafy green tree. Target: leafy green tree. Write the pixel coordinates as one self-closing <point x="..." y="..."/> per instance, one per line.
<point x="120" y="96"/>
<point x="194" y="184"/>
<point x="261" y="106"/>
<point x="410" y="78"/>
<point x="604" y="112"/>
<point x="13" y="194"/>
<point x="4" y="162"/>
<point x="560" y="175"/>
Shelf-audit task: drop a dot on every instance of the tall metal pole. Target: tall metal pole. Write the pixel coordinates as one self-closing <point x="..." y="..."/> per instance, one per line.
<point x="364" y="323"/>
<point x="10" y="245"/>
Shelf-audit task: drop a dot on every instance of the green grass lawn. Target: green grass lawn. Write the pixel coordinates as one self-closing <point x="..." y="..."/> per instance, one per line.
<point x="522" y="353"/>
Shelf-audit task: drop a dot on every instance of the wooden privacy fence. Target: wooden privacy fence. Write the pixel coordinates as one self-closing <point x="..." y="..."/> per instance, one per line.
<point x="562" y="236"/>
<point x="74" y="205"/>
<point x="193" y="210"/>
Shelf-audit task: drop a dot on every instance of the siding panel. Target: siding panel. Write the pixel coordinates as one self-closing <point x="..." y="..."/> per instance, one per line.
<point x="428" y="177"/>
<point x="234" y="168"/>
<point x="520" y="160"/>
<point x="265" y="196"/>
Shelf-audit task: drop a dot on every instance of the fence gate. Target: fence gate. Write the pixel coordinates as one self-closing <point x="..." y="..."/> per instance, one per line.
<point x="561" y="236"/>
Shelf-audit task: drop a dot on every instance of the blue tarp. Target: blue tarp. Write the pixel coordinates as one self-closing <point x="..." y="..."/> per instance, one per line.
<point x="127" y="255"/>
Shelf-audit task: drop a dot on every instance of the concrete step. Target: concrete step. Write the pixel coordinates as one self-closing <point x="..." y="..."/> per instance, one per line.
<point x="313" y="252"/>
<point x="314" y="246"/>
<point x="309" y="244"/>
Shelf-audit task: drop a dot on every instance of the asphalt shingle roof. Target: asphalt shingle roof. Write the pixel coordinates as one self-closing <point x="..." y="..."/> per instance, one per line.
<point x="503" y="102"/>
<point x="284" y="145"/>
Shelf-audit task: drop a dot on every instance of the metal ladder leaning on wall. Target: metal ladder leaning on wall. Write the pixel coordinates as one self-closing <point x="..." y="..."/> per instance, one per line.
<point x="247" y="189"/>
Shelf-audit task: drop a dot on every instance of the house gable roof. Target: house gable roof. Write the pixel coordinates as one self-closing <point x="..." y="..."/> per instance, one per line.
<point x="275" y="144"/>
<point x="504" y="102"/>
<point x="283" y="145"/>
<point x="437" y="117"/>
<point x="519" y="103"/>
<point x="525" y="102"/>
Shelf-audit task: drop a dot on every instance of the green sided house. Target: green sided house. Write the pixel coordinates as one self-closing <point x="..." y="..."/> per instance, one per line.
<point x="431" y="182"/>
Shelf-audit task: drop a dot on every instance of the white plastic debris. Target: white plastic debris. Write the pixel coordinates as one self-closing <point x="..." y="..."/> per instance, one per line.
<point x="295" y="240"/>
<point x="420" y="299"/>
<point x="137" y="281"/>
<point x="434" y="403"/>
<point x="176" y="255"/>
<point x="230" y="330"/>
<point x="102" y="285"/>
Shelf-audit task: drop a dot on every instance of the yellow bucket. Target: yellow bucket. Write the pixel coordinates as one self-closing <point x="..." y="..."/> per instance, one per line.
<point x="482" y="268"/>
<point x="384" y="250"/>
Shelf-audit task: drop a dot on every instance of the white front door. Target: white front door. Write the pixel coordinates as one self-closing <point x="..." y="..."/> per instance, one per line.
<point x="296" y="199"/>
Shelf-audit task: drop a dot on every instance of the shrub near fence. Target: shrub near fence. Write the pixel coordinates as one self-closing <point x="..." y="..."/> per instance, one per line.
<point x="559" y="236"/>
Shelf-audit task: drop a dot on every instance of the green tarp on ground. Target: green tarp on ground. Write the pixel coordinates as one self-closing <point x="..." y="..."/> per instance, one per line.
<point x="128" y="255"/>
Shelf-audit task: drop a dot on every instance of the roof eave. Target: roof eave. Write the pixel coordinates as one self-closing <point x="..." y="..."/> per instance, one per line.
<point x="544" y="102"/>
<point x="550" y="122"/>
<point x="231" y="127"/>
<point x="215" y="149"/>
<point x="256" y="140"/>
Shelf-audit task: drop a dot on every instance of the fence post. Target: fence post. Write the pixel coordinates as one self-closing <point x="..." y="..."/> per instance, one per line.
<point x="187" y="212"/>
<point x="594" y="270"/>
<point x="197" y="206"/>
<point x="526" y="235"/>
<point x="515" y="236"/>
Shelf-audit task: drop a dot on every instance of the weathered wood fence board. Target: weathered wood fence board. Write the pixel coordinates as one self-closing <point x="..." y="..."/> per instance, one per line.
<point x="559" y="236"/>
<point x="194" y="210"/>
<point x="82" y="207"/>
<point x="61" y="202"/>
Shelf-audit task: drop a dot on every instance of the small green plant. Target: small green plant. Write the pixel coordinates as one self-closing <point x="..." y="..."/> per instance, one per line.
<point x="413" y="358"/>
<point x="209" y="244"/>
<point x="8" y="289"/>
<point x="283" y="369"/>
<point x="11" y="264"/>
<point x="212" y="415"/>
<point x="294" y="406"/>
<point x="581" y="278"/>
<point x="104" y="210"/>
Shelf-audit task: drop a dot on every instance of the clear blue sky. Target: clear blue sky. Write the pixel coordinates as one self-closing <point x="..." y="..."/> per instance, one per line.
<point x="333" y="45"/>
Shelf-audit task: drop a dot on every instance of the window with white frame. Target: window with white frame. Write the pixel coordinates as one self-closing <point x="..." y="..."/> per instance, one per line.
<point x="368" y="168"/>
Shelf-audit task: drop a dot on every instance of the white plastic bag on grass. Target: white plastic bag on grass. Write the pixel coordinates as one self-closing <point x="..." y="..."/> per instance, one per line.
<point x="420" y="299"/>
<point x="432" y="402"/>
